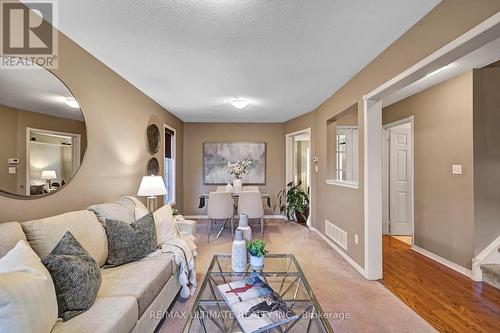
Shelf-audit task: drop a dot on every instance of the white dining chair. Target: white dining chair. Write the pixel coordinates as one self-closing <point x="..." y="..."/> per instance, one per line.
<point x="250" y="203"/>
<point x="251" y="189"/>
<point x="220" y="207"/>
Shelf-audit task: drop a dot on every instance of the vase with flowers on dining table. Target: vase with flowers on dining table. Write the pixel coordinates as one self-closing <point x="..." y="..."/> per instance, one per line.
<point x="238" y="169"/>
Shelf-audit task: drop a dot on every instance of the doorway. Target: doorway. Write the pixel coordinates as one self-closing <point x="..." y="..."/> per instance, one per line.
<point x="52" y="158"/>
<point x="169" y="171"/>
<point x="398" y="187"/>
<point x="298" y="161"/>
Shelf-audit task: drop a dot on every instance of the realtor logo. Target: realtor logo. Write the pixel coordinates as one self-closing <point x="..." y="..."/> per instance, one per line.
<point x="27" y="36"/>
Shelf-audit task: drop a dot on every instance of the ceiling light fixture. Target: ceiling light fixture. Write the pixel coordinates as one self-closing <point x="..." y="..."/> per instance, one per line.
<point x="240" y="103"/>
<point x="71" y="102"/>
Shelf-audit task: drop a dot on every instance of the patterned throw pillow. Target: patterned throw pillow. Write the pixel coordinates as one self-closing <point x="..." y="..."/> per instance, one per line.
<point x="129" y="242"/>
<point x="76" y="277"/>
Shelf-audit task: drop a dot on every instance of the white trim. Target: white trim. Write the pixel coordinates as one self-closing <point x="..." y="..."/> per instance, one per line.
<point x="174" y="154"/>
<point x="476" y="37"/>
<point x="342" y="183"/>
<point x="488" y="255"/>
<point x="443" y="261"/>
<point x="385" y="167"/>
<point x="205" y="217"/>
<point x="339" y="251"/>
<point x="289" y="140"/>
<point x="372" y="136"/>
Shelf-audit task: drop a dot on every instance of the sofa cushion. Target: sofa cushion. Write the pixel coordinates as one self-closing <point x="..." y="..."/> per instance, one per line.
<point x="44" y="234"/>
<point x="76" y="276"/>
<point x="143" y="279"/>
<point x="115" y="211"/>
<point x="107" y="315"/>
<point x="27" y="296"/>
<point x="10" y="234"/>
<point x="129" y="242"/>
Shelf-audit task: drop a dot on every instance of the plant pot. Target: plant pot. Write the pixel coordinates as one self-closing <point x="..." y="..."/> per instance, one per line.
<point x="238" y="185"/>
<point x="302" y="217"/>
<point x="257" y="263"/>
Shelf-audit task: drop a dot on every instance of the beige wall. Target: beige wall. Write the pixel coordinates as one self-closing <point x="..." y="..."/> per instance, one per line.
<point x="447" y="21"/>
<point x="195" y="134"/>
<point x="486" y="156"/>
<point x="444" y="203"/>
<point x="117" y="115"/>
<point x="13" y="137"/>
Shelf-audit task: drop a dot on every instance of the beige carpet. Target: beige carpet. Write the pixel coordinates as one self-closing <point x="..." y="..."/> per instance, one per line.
<point x="338" y="287"/>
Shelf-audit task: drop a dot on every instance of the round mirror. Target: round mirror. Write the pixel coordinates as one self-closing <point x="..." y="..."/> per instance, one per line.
<point x="42" y="133"/>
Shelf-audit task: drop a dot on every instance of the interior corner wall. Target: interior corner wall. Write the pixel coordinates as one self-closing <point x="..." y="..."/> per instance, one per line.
<point x="195" y="134"/>
<point x="117" y="115"/>
<point x="443" y="135"/>
<point x="486" y="157"/>
<point x="447" y="21"/>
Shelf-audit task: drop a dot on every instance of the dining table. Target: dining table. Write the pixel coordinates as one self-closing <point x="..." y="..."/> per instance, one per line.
<point x="204" y="198"/>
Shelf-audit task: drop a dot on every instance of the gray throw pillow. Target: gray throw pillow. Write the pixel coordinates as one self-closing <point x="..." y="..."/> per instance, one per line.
<point x="129" y="242"/>
<point x="76" y="277"/>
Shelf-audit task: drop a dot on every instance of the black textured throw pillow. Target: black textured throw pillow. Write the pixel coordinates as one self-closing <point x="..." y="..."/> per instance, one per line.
<point x="129" y="242"/>
<point x="76" y="277"/>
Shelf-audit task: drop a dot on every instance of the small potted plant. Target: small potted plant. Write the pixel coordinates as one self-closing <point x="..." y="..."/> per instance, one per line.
<point x="256" y="249"/>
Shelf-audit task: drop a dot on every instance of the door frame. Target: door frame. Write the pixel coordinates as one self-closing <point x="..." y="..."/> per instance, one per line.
<point x="289" y="138"/>
<point x="76" y="151"/>
<point x="478" y="36"/>
<point x="174" y="154"/>
<point x="386" y="176"/>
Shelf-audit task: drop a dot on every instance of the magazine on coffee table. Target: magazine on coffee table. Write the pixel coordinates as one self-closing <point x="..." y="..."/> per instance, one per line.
<point x="256" y="306"/>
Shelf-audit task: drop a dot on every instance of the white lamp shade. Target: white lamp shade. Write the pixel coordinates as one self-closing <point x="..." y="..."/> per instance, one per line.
<point x="151" y="186"/>
<point x="48" y="174"/>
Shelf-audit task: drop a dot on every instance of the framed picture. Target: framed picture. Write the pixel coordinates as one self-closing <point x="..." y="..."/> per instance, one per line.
<point x="217" y="154"/>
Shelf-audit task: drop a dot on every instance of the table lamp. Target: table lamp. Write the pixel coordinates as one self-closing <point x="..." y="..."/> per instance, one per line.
<point x="150" y="187"/>
<point x="48" y="175"/>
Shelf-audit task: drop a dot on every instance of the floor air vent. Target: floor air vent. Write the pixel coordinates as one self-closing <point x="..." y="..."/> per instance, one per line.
<point x="338" y="235"/>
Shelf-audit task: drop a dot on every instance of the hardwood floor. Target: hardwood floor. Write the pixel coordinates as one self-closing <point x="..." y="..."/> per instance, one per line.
<point x="449" y="301"/>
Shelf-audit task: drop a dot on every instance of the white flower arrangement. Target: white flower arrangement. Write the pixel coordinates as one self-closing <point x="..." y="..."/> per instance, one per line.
<point x="239" y="168"/>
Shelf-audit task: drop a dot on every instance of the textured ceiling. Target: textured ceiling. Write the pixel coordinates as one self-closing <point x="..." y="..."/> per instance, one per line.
<point x="194" y="56"/>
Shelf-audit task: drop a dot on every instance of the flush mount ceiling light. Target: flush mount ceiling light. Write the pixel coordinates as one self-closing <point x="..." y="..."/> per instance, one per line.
<point x="240" y="103"/>
<point x="71" y="102"/>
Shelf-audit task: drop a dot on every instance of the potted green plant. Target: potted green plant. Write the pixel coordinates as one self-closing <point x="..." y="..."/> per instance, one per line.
<point x="293" y="201"/>
<point x="256" y="249"/>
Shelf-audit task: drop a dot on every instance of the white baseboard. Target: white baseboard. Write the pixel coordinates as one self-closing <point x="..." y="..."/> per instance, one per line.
<point x="205" y="217"/>
<point x="354" y="264"/>
<point x="443" y="261"/>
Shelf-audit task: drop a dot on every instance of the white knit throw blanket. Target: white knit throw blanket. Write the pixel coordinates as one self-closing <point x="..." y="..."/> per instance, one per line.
<point x="184" y="257"/>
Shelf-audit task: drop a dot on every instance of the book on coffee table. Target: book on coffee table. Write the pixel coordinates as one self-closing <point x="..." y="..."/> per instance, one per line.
<point x="256" y="306"/>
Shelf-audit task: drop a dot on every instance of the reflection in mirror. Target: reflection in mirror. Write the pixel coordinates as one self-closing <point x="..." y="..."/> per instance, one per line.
<point x="42" y="132"/>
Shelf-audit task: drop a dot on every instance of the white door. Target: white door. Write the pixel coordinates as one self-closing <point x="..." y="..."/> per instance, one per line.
<point x="400" y="180"/>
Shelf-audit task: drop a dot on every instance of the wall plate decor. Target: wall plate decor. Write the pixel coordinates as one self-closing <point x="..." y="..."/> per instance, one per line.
<point x="153" y="167"/>
<point x="216" y="155"/>
<point x="153" y="134"/>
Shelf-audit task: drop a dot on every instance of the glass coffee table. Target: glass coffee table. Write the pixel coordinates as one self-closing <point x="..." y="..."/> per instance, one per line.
<point x="282" y="272"/>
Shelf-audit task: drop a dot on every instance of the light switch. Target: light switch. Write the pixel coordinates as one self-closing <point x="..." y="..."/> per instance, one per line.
<point x="12" y="170"/>
<point x="456" y="169"/>
<point x="316" y="168"/>
<point x="356" y="239"/>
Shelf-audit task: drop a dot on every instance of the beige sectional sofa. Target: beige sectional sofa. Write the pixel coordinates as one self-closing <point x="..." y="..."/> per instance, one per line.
<point x="132" y="297"/>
